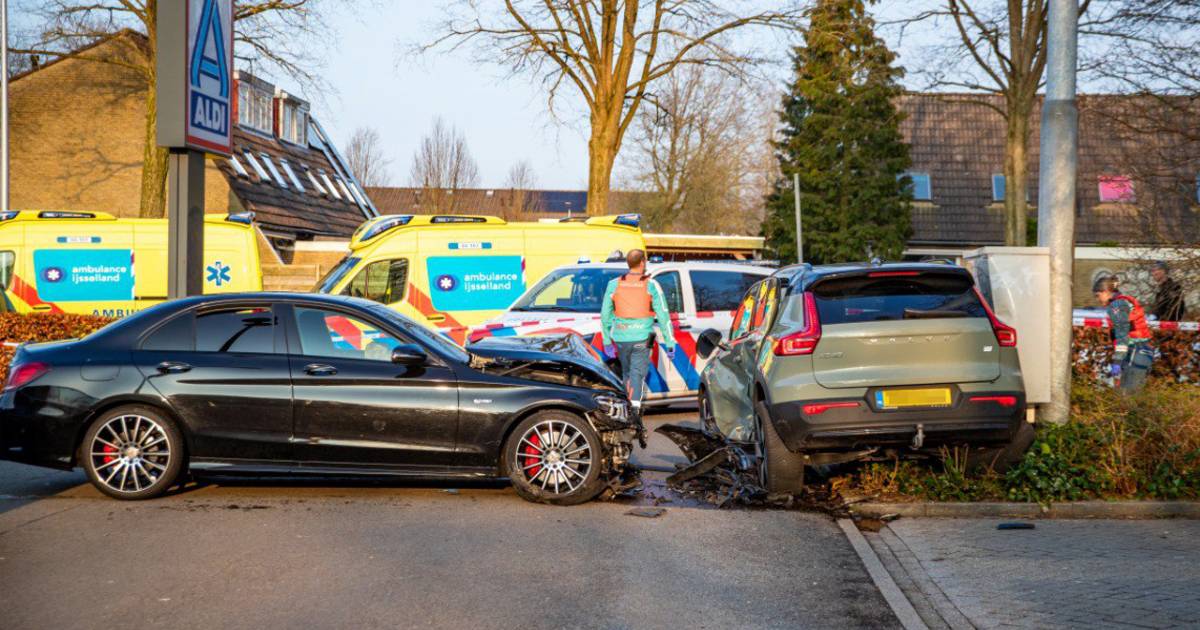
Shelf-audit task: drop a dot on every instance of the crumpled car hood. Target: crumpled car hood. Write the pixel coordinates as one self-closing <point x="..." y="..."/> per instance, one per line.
<point x="566" y="350"/>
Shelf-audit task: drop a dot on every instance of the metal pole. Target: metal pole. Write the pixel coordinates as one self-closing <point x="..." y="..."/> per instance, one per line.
<point x="4" y="106"/>
<point x="1056" y="194"/>
<point x="185" y="223"/>
<point x="799" y="227"/>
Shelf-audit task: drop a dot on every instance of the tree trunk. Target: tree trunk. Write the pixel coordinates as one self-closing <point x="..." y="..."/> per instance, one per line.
<point x="154" y="165"/>
<point x="1016" y="176"/>
<point x="602" y="154"/>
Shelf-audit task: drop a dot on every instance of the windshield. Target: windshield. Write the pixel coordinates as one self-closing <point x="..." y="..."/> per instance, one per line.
<point x="573" y="290"/>
<point x="335" y="275"/>
<point x="438" y="341"/>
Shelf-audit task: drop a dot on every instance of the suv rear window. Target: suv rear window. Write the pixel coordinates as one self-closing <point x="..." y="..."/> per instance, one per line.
<point x="925" y="296"/>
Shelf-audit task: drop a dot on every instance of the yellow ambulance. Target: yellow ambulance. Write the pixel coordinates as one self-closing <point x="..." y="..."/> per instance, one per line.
<point x="455" y="271"/>
<point x="96" y="264"/>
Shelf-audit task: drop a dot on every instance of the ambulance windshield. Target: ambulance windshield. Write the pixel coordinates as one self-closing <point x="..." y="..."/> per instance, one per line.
<point x="336" y="274"/>
<point x="572" y="290"/>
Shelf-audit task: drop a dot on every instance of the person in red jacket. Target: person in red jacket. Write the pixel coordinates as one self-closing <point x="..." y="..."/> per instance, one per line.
<point x="1133" y="353"/>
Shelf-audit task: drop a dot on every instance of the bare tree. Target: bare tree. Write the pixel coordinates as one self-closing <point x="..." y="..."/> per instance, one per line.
<point x="994" y="47"/>
<point x="522" y="199"/>
<point x="610" y="54"/>
<point x="441" y="166"/>
<point x="700" y="149"/>
<point x="270" y="32"/>
<point x="367" y="159"/>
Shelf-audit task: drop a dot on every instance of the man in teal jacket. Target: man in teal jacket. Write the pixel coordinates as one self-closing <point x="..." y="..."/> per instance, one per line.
<point x="633" y="306"/>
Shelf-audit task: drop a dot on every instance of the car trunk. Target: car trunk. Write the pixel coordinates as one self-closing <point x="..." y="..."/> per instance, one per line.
<point x="912" y="352"/>
<point x="897" y="328"/>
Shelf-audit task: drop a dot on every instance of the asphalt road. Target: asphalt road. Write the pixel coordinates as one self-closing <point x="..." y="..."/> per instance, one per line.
<point x="340" y="554"/>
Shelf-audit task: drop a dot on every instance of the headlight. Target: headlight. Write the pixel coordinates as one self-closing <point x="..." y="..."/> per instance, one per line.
<point x="613" y="407"/>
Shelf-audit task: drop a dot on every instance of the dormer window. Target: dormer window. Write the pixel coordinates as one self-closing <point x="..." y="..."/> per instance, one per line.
<point x="254" y="103"/>
<point x="293" y="118"/>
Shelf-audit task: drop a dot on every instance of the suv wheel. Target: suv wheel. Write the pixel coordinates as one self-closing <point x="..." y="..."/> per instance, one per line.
<point x="555" y="457"/>
<point x="780" y="470"/>
<point x="132" y="452"/>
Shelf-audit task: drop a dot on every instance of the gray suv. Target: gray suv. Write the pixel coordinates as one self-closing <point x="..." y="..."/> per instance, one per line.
<point x="838" y="363"/>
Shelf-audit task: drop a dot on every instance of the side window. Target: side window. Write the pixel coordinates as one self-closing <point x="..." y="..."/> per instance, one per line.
<point x="672" y="290"/>
<point x="720" y="290"/>
<point x="7" y="260"/>
<point x="382" y="281"/>
<point x="339" y="336"/>
<point x="178" y="334"/>
<point x="743" y="317"/>
<point x="241" y="330"/>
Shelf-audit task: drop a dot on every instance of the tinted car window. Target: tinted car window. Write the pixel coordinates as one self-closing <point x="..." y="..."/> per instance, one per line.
<point x="743" y="316"/>
<point x="570" y="290"/>
<point x="720" y="290"/>
<point x="236" y="330"/>
<point x="382" y="281"/>
<point x="337" y="335"/>
<point x="176" y="334"/>
<point x="672" y="292"/>
<point x="866" y="299"/>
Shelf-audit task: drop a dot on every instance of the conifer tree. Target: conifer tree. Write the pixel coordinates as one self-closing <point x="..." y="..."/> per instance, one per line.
<point x="840" y="132"/>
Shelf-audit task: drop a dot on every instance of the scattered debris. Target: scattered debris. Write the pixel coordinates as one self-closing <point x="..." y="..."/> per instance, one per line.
<point x="1017" y="525"/>
<point x="647" y="512"/>
<point x="869" y="524"/>
<point x="451" y="490"/>
<point x="624" y="483"/>
<point x="720" y="472"/>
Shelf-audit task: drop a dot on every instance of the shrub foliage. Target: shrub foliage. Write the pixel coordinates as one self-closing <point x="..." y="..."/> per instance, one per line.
<point x="16" y="328"/>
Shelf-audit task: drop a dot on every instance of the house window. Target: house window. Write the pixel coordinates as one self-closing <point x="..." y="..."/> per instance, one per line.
<point x="258" y="169"/>
<point x="346" y="191"/>
<point x="274" y="171"/>
<point x="313" y="179"/>
<point x="329" y="186"/>
<point x="254" y="107"/>
<point x="287" y="168"/>
<point x="237" y="167"/>
<point x="358" y="194"/>
<point x="921" y="188"/>
<point x="997" y="188"/>
<point x="293" y="121"/>
<point x="1116" y="189"/>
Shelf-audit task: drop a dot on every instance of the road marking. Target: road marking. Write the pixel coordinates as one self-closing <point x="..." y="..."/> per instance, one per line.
<point x="900" y="605"/>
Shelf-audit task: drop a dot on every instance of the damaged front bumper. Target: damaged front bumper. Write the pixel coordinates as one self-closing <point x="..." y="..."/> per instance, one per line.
<point x="719" y="471"/>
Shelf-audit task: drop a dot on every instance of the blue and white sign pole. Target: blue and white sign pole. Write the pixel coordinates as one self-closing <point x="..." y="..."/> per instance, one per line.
<point x="195" y="107"/>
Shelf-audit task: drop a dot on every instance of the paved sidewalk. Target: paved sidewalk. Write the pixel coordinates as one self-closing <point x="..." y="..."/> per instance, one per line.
<point x="963" y="573"/>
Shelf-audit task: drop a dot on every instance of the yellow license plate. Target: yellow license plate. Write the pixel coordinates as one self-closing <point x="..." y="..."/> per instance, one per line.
<point x="925" y="397"/>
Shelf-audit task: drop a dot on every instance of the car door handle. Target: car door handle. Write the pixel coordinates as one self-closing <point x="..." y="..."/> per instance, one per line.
<point x="320" y="369"/>
<point x="173" y="367"/>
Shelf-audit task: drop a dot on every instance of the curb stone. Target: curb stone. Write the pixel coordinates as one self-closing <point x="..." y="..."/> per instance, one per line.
<point x="1077" y="510"/>
<point x="891" y="592"/>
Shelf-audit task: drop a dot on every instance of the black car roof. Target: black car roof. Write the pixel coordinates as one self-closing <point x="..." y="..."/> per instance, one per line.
<point x="807" y="274"/>
<point x="271" y="296"/>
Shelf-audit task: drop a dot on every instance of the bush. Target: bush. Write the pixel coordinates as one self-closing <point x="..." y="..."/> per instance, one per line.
<point x="1146" y="445"/>
<point x="1178" y="354"/>
<point x="17" y="328"/>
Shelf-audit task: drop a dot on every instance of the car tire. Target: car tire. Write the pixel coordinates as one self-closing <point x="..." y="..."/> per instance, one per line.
<point x="555" y="475"/>
<point x="1001" y="459"/>
<point x="780" y="471"/>
<point x="132" y="452"/>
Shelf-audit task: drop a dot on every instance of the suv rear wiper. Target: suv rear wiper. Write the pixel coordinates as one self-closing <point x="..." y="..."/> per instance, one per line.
<point x="915" y="313"/>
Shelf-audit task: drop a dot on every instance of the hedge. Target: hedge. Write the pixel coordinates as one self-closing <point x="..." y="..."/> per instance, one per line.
<point x="16" y="328"/>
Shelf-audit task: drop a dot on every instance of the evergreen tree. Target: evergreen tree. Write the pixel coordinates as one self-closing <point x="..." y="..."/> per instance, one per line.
<point x="840" y="132"/>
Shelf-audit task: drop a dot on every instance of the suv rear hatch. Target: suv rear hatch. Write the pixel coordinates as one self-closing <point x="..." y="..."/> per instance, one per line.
<point x="903" y="327"/>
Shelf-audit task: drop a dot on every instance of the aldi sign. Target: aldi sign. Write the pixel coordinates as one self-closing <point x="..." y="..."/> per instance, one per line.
<point x="195" y="75"/>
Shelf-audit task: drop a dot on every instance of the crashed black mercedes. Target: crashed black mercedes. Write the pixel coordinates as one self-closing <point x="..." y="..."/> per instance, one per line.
<point x="315" y="385"/>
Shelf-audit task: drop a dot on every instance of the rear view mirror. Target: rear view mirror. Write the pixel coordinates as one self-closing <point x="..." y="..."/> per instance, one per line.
<point x="707" y="342"/>
<point x="409" y="354"/>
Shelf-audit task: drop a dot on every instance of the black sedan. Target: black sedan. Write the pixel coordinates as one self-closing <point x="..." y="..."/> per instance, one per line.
<point x="314" y="385"/>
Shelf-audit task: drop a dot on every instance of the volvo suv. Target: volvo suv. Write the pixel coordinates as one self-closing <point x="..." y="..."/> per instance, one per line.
<point x="838" y="363"/>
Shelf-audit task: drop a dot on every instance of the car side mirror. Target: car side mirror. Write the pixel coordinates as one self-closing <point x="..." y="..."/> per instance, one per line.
<point x="409" y="354"/>
<point x="708" y="342"/>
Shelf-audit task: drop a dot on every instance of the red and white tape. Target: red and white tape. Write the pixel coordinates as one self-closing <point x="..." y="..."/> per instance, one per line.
<point x="1102" y="322"/>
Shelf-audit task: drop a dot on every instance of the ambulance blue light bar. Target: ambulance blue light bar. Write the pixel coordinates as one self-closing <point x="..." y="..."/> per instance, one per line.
<point x="8" y="216"/>
<point x="384" y="224"/>
<point x="241" y="217"/>
<point x="632" y="220"/>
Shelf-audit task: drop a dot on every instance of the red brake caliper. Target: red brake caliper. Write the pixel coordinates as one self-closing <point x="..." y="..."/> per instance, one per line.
<point x="108" y="449"/>
<point x="533" y="456"/>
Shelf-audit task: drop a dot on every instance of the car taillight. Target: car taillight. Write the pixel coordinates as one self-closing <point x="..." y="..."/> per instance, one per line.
<point x="24" y="374"/>
<point x="815" y="409"/>
<point x="1006" y="335"/>
<point x="1003" y="401"/>
<point x="803" y="341"/>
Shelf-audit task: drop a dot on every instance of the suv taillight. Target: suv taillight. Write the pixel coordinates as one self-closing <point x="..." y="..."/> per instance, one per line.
<point x="25" y="373"/>
<point x="1006" y="335"/>
<point x="805" y="340"/>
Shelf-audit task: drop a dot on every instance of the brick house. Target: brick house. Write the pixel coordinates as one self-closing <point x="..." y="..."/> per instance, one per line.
<point x="1137" y="184"/>
<point x="77" y="134"/>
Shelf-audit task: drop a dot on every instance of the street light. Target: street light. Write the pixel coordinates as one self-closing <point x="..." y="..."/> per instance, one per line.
<point x="4" y="106"/>
<point x="799" y="227"/>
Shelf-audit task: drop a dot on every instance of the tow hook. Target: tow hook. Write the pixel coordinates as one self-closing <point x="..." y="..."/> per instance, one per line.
<point x="919" y="438"/>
